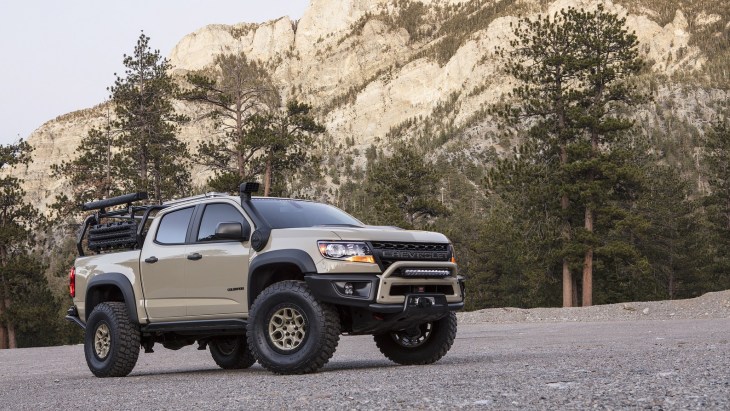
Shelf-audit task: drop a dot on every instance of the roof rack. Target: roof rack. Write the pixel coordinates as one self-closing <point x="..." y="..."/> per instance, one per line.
<point x="197" y="197"/>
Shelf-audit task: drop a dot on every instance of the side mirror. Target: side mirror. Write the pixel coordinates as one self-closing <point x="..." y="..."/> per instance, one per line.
<point x="232" y="231"/>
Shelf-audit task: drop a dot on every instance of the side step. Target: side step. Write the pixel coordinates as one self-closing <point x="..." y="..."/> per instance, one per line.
<point x="198" y="327"/>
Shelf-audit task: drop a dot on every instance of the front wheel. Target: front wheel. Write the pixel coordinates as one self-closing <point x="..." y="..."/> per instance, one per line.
<point x="231" y="353"/>
<point x="289" y="331"/>
<point x="423" y="344"/>
<point x="111" y="341"/>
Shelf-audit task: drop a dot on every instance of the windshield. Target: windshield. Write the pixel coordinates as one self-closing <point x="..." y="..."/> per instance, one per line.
<point x="287" y="213"/>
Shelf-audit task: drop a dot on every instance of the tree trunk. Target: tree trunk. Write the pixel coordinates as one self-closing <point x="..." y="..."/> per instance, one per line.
<point x="267" y="177"/>
<point x="3" y="328"/>
<point x="3" y="290"/>
<point x="588" y="264"/>
<point x="568" y="289"/>
<point x="108" y="183"/>
<point x="240" y="164"/>
<point x="567" y="285"/>
<point x="158" y="182"/>
<point x="11" y="329"/>
<point x="587" y="296"/>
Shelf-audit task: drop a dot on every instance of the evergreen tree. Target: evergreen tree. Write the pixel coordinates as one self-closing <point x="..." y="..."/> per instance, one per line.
<point x="17" y="218"/>
<point x="544" y="61"/>
<point x="672" y="241"/>
<point x="238" y="93"/>
<point x="35" y="313"/>
<point x="145" y="117"/>
<point x="717" y="160"/>
<point x="394" y="197"/>
<point x="573" y="68"/>
<point x="523" y="230"/>
<point x="288" y="143"/>
<point x="608" y="57"/>
<point x="96" y="172"/>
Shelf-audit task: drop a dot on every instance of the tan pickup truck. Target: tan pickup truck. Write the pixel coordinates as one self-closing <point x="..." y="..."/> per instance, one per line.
<point x="273" y="280"/>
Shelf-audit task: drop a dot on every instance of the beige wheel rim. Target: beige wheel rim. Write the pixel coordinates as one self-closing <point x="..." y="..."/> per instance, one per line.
<point x="102" y="341"/>
<point x="287" y="329"/>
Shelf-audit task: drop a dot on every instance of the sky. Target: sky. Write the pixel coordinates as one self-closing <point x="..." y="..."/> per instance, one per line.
<point x="60" y="56"/>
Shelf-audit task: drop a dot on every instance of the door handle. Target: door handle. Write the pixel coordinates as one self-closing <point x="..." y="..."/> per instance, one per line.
<point x="194" y="256"/>
<point x="150" y="260"/>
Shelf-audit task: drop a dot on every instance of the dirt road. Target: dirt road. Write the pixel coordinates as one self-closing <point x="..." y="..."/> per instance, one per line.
<point x="675" y="364"/>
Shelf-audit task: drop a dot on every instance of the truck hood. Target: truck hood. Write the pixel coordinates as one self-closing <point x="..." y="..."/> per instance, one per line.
<point x="375" y="233"/>
<point x="365" y="233"/>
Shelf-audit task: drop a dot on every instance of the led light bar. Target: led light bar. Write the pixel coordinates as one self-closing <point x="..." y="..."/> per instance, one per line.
<point x="425" y="272"/>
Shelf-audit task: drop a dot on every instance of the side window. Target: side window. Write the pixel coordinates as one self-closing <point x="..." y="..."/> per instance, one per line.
<point x="215" y="214"/>
<point x="174" y="226"/>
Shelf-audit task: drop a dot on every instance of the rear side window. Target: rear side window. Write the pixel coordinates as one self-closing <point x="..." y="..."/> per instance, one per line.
<point x="174" y="226"/>
<point x="215" y="214"/>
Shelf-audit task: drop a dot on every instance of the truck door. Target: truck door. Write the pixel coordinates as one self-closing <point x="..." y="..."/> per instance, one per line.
<point x="163" y="263"/>
<point x="217" y="277"/>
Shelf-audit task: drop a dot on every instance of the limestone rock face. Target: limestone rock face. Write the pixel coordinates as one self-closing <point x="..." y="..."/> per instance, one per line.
<point x="365" y="74"/>
<point x="262" y="42"/>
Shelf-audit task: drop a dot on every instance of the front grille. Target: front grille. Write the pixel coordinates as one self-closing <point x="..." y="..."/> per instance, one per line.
<point x="382" y="245"/>
<point x="388" y="252"/>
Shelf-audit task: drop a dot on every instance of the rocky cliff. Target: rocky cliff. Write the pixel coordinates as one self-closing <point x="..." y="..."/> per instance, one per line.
<point x="374" y="66"/>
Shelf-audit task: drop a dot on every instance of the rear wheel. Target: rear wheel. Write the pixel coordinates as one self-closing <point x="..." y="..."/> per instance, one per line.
<point x="289" y="331"/>
<point x="111" y="341"/>
<point x="423" y="344"/>
<point x="231" y="353"/>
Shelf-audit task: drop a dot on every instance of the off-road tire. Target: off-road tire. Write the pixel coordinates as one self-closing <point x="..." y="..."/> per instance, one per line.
<point x="124" y="340"/>
<point x="443" y="333"/>
<point x="231" y="353"/>
<point x="322" y="324"/>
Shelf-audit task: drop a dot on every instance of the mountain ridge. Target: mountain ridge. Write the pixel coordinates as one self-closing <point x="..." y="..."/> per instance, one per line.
<point x="375" y="68"/>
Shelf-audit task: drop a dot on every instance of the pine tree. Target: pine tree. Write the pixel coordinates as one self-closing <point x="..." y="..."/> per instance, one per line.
<point x="17" y="217"/>
<point x="238" y="94"/>
<point x="289" y="142"/>
<point x="395" y="199"/>
<point x="544" y="61"/>
<point x="145" y="117"/>
<point x="523" y="230"/>
<point x="672" y="240"/>
<point x="96" y="172"/>
<point x="608" y="57"/>
<point x="717" y="160"/>
<point x="573" y="69"/>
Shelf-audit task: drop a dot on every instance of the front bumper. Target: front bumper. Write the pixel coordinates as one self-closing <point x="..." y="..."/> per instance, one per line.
<point x="328" y="289"/>
<point x="389" y="288"/>
<point x="372" y="309"/>
<point x="73" y="315"/>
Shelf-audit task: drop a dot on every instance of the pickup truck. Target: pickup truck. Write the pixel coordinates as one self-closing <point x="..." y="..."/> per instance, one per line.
<point x="273" y="280"/>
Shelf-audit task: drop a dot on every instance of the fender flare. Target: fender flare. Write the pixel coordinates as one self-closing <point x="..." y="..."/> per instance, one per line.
<point x="299" y="258"/>
<point x="119" y="281"/>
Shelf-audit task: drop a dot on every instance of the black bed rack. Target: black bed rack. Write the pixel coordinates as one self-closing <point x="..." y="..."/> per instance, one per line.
<point x="137" y="214"/>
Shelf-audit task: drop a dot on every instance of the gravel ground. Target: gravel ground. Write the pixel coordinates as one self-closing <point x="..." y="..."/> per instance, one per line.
<point x="710" y="305"/>
<point x="567" y="359"/>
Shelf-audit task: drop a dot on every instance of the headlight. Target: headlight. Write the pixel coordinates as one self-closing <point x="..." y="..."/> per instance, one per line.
<point x="346" y="251"/>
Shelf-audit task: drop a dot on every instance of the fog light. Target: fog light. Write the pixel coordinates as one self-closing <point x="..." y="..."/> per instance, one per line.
<point x="353" y="289"/>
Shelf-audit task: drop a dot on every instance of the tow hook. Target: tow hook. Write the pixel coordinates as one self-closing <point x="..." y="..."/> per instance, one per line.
<point x="424" y="302"/>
